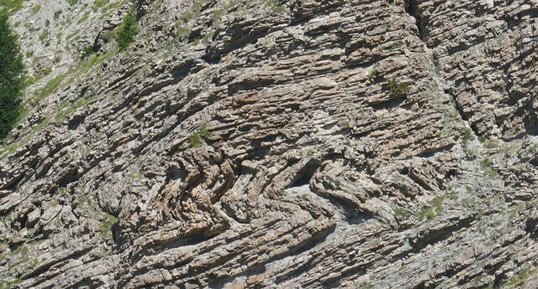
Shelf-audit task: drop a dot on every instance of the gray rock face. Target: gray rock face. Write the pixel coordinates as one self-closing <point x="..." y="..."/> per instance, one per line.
<point x="284" y="144"/>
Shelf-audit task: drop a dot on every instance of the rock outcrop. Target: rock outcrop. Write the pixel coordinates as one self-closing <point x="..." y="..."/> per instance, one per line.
<point x="283" y="144"/>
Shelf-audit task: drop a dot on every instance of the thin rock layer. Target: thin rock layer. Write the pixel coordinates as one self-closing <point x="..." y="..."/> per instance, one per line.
<point x="286" y="144"/>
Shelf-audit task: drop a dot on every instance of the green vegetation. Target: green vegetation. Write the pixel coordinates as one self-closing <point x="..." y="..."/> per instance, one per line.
<point x="466" y="136"/>
<point x="276" y="6"/>
<point x="57" y="14"/>
<point x="11" y="5"/>
<point x="487" y="167"/>
<point x="401" y="212"/>
<point x="84" y="17"/>
<point x="502" y="85"/>
<point x="44" y="38"/>
<point x="195" y="10"/>
<point x="197" y="136"/>
<point x="127" y="30"/>
<point x="49" y="88"/>
<point x="432" y="211"/>
<point x="517" y="280"/>
<point x="66" y="108"/>
<point x="106" y="226"/>
<point x="21" y="250"/>
<point x="87" y="51"/>
<point x="426" y="213"/>
<point x="182" y="32"/>
<point x="36" y="8"/>
<point x="11" y="77"/>
<point x="434" y="58"/>
<point x="9" y="284"/>
<point x="373" y="75"/>
<point x="97" y="4"/>
<point x="397" y="89"/>
<point x="72" y="2"/>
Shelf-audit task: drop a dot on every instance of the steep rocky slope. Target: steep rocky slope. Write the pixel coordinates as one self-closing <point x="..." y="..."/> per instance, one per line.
<point x="280" y="144"/>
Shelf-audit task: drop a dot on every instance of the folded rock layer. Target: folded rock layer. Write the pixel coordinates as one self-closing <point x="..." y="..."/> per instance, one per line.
<point x="284" y="144"/>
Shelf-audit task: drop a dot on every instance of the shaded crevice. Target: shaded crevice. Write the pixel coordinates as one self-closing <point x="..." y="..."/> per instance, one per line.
<point x="304" y="175"/>
<point x="459" y="109"/>
<point x="531" y="227"/>
<point x="433" y="236"/>
<point x="411" y="8"/>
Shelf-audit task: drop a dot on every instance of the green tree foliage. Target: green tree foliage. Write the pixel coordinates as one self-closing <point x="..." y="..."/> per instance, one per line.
<point x="11" y="76"/>
<point x="127" y="30"/>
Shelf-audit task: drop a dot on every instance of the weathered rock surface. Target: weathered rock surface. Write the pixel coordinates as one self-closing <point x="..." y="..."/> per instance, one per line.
<point x="285" y="144"/>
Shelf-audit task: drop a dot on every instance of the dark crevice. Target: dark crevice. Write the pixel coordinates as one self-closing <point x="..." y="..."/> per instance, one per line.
<point x="352" y="214"/>
<point x="432" y="236"/>
<point x="304" y="176"/>
<point x="390" y="103"/>
<point x="531" y="227"/>
<point x="411" y="7"/>
<point x="457" y="106"/>
<point x="428" y="153"/>
<point x="183" y="242"/>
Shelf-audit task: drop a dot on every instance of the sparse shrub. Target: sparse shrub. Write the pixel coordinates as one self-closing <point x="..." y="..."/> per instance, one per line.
<point x="502" y="85"/>
<point x="432" y="211"/>
<point x="401" y="212"/>
<point x="195" y="140"/>
<point x="397" y="89"/>
<point x="87" y="51"/>
<point x="128" y="30"/>
<point x="196" y="137"/>
<point x="487" y="166"/>
<point x="466" y="136"/>
<point x="11" y="76"/>
<point x="373" y="75"/>
<point x="57" y="14"/>
<point x="44" y="38"/>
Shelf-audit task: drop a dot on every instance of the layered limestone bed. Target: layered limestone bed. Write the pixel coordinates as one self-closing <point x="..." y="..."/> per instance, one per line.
<point x="278" y="144"/>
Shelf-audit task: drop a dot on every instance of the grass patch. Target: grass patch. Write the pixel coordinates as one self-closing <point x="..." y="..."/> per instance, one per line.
<point x="432" y="211"/>
<point x="48" y="89"/>
<point x="517" y="280"/>
<point x="36" y="8"/>
<point x="401" y="212"/>
<point x="487" y="167"/>
<point x="11" y="5"/>
<point x="66" y="108"/>
<point x="276" y="7"/>
<point x="98" y="4"/>
<point x="466" y="137"/>
<point x="106" y="226"/>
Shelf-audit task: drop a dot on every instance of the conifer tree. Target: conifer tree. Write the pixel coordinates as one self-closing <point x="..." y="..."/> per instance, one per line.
<point x="11" y="76"/>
